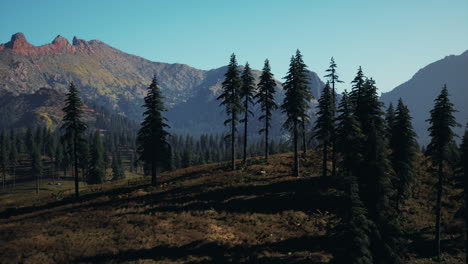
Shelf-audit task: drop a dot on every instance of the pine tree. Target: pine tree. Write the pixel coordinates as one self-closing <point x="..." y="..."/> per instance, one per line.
<point x="29" y="139"/>
<point x="97" y="171"/>
<point x="187" y="158"/>
<point x="266" y="98"/>
<point x="324" y="125"/>
<point x="73" y="127"/>
<point x="230" y="98"/>
<point x="247" y="94"/>
<point x="440" y="130"/>
<point x="295" y="104"/>
<point x="153" y="147"/>
<point x="357" y="84"/>
<point x="333" y="79"/>
<point x="403" y="145"/>
<point x="302" y="83"/>
<point x="36" y="165"/>
<point x="349" y="137"/>
<point x="360" y="227"/>
<point x="375" y="175"/>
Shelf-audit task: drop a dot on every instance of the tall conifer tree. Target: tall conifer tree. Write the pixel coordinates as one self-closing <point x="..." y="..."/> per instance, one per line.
<point x="333" y="79"/>
<point x="266" y="98"/>
<point x="296" y="103"/>
<point x="301" y="80"/>
<point x="441" y="123"/>
<point x="152" y="140"/>
<point x="230" y="99"/>
<point x="324" y="125"/>
<point x="403" y="146"/>
<point x="73" y="128"/>
<point x="247" y="95"/>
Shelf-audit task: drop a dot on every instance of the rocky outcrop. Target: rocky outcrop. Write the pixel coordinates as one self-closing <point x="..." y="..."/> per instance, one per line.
<point x="59" y="45"/>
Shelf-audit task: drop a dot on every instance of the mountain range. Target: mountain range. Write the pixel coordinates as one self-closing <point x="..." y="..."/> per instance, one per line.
<point x="109" y="77"/>
<point x="420" y="91"/>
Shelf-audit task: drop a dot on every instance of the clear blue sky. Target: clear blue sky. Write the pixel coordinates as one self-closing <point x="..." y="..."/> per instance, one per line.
<point x="390" y="39"/>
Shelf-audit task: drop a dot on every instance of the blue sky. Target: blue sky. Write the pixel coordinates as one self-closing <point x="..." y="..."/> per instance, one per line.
<point x="390" y="39"/>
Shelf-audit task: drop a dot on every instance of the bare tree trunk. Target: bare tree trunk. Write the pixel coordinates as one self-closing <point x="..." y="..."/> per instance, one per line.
<point x="296" y="156"/>
<point x="438" y="210"/>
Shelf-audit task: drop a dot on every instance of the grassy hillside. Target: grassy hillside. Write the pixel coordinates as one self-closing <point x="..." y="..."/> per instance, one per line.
<point x="205" y="214"/>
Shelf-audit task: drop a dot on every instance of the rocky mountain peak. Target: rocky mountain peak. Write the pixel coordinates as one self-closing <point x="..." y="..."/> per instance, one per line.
<point x="59" y="40"/>
<point x="18" y="36"/>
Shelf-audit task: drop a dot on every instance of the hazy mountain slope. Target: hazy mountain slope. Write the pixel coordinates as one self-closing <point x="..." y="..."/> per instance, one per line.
<point x="202" y="112"/>
<point x="118" y="80"/>
<point x="421" y="90"/>
<point x="100" y="71"/>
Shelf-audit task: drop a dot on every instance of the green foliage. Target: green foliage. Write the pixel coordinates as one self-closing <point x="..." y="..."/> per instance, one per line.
<point x="247" y="91"/>
<point x="324" y="126"/>
<point x="230" y="99"/>
<point x="153" y="147"/>
<point x="441" y="123"/>
<point x="296" y="102"/>
<point x="73" y="128"/>
<point x="440" y="130"/>
<point x="266" y="98"/>
<point x="404" y="147"/>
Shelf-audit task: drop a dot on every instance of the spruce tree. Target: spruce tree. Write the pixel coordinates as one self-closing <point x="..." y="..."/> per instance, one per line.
<point x="441" y="123"/>
<point x="230" y="99"/>
<point x="152" y="140"/>
<point x="357" y="86"/>
<point x="295" y="104"/>
<point x="349" y="137"/>
<point x="333" y="79"/>
<point x="324" y="125"/>
<point x="375" y="175"/>
<point x="73" y="128"/>
<point x="247" y="94"/>
<point x="403" y="145"/>
<point x="301" y="80"/>
<point x="266" y="98"/>
<point x="97" y="171"/>
<point x="360" y="227"/>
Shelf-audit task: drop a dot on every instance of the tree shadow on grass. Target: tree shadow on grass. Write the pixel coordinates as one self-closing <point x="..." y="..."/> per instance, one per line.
<point x="211" y="252"/>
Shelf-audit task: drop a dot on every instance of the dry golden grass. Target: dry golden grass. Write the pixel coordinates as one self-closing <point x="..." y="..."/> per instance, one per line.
<point x="204" y="214"/>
